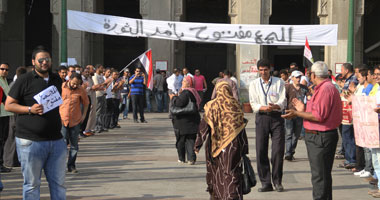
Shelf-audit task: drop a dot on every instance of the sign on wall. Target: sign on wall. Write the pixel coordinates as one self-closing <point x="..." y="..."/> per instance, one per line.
<point x="248" y="73"/>
<point x="162" y="65"/>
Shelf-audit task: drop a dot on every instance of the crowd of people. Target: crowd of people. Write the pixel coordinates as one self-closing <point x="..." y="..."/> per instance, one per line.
<point x="290" y="105"/>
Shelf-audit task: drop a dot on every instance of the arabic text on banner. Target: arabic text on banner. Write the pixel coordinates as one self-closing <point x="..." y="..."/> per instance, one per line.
<point x="293" y="35"/>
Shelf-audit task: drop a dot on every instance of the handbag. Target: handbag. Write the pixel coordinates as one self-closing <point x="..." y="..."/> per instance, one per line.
<point x="249" y="177"/>
<point x="190" y="108"/>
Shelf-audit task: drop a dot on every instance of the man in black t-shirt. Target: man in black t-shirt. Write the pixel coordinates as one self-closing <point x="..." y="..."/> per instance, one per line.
<point x="38" y="138"/>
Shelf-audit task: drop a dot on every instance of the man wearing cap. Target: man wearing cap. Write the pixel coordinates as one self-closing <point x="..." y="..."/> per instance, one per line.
<point x="322" y="117"/>
<point x="267" y="98"/>
<point x="293" y="126"/>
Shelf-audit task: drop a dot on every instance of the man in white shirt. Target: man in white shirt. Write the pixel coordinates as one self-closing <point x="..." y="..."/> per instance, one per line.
<point x="267" y="98"/>
<point x="186" y="72"/>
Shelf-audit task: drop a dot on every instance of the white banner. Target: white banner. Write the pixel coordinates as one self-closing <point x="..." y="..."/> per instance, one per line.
<point x="295" y="35"/>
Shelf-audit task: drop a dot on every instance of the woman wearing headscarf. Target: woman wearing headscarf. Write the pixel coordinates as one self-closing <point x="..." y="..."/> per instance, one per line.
<point x="186" y="125"/>
<point x="223" y="130"/>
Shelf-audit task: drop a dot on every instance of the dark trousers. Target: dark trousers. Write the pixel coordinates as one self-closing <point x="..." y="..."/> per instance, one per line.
<point x="115" y="112"/>
<point x="138" y="105"/>
<point x="4" y="129"/>
<point x="10" y="152"/>
<point x="273" y="126"/>
<point x="360" y="159"/>
<point x="185" y="145"/>
<point x="321" y="150"/>
<point x="100" y="112"/>
<point x="363" y="159"/>
<point x="348" y="140"/>
<point x="201" y="95"/>
<point x="84" y="123"/>
<point x="109" y="113"/>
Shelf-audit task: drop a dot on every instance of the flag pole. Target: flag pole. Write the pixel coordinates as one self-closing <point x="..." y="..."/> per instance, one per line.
<point x="134" y="60"/>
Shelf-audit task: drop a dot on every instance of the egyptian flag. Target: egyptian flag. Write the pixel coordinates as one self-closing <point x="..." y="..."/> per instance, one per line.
<point x="2" y="96"/>
<point x="145" y="62"/>
<point x="307" y="56"/>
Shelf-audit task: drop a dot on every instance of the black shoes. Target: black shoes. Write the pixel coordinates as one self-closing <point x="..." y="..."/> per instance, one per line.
<point x="289" y="158"/>
<point x="5" y="169"/>
<point x="72" y="170"/>
<point x="279" y="187"/>
<point x="144" y="121"/>
<point x="266" y="189"/>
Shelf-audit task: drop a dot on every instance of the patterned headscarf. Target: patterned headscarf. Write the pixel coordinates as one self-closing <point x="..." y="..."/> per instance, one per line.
<point x="189" y="79"/>
<point x="225" y="118"/>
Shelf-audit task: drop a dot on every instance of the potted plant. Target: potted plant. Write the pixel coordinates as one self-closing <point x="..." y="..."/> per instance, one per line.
<point x="245" y="104"/>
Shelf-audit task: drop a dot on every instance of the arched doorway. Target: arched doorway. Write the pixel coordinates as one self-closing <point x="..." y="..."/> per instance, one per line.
<point x="118" y="50"/>
<point x="295" y="12"/>
<point x="209" y="58"/>
<point x="38" y="27"/>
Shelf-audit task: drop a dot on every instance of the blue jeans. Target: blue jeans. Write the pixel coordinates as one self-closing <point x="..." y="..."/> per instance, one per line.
<point x="126" y="101"/>
<point x="376" y="163"/>
<point x="37" y="155"/>
<point x="159" y="100"/>
<point x="368" y="160"/>
<point x="348" y="140"/>
<point x="166" y="100"/>
<point x="292" y="133"/>
<point x="1" y="184"/>
<point x="71" y="135"/>
<point x="148" y="92"/>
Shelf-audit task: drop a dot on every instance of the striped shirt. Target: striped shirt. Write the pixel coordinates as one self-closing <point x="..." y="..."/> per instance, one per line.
<point x="137" y="87"/>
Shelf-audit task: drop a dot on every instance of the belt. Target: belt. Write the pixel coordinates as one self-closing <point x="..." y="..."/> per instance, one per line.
<point x="273" y="113"/>
<point x="316" y="132"/>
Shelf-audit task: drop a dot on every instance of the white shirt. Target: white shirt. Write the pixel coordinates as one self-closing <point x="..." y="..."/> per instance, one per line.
<point x="109" y="91"/>
<point x="275" y="89"/>
<point x="234" y="79"/>
<point x="98" y="79"/>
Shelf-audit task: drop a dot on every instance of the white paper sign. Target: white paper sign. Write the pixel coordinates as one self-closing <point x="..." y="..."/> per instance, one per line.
<point x="262" y="34"/>
<point x="71" y="61"/>
<point x="162" y="65"/>
<point x="49" y="98"/>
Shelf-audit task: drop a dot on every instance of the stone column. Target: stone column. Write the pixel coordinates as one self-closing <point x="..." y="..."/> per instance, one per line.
<point x="178" y="46"/>
<point x="336" y="12"/>
<point x="85" y="47"/>
<point x="248" y="12"/>
<point x="55" y="9"/>
<point x="161" y="10"/>
<point x="358" y="32"/>
<point x="12" y="34"/>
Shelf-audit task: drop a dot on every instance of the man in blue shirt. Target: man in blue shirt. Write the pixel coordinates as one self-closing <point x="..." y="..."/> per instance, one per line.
<point x="138" y="83"/>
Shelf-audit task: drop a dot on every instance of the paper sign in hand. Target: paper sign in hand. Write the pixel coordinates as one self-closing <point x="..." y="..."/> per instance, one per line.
<point x="49" y="98"/>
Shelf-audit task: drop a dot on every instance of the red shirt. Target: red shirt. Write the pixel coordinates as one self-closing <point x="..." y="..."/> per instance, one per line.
<point x="199" y="82"/>
<point x="326" y="106"/>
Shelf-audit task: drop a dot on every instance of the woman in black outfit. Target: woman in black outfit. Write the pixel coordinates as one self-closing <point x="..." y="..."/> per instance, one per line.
<point x="186" y="125"/>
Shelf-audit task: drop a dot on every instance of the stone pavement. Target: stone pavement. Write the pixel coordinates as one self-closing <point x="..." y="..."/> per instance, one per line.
<point x="139" y="161"/>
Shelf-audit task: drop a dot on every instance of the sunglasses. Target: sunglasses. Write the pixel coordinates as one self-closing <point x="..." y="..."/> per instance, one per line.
<point x="4" y="69"/>
<point x="41" y="60"/>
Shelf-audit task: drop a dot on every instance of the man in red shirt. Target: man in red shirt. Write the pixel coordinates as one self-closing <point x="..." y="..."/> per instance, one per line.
<point x="200" y="85"/>
<point x="322" y="117"/>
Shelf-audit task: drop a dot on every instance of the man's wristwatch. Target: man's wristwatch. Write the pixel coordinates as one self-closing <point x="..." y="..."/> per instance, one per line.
<point x="30" y="110"/>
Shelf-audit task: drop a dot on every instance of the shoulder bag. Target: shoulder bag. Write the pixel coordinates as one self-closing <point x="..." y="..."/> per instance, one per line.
<point x="190" y="108"/>
<point x="249" y="177"/>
